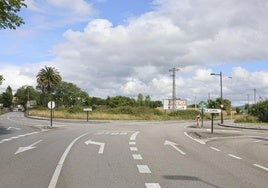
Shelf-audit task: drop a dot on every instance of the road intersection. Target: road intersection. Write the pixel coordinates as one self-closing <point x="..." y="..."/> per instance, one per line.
<point x="150" y="154"/>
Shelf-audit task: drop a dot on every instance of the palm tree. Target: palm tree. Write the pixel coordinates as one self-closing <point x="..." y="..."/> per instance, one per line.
<point x="48" y="79"/>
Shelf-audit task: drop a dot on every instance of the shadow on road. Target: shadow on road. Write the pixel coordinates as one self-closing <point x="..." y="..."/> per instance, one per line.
<point x="4" y="130"/>
<point x="188" y="178"/>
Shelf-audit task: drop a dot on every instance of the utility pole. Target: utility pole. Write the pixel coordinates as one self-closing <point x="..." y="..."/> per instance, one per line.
<point x="254" y="95"/>
<point x="173" y="70"/>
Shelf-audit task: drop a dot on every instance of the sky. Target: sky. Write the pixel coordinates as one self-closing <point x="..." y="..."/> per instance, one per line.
<point x="127" y="47"/>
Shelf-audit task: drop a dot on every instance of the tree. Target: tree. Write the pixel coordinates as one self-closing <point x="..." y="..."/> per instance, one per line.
<point x="260" y="110"/>
<point x="217" y="104"/>
<point x="8" y="13"/>
<point x="68" y="94"/>
<point x="7" y="97"/>
<point x="147" y="101"/>
<point x="48" y="79"/>
<point x="26" y="93"/>
<point x="1" y="79"/>
<point x="140" y="99"/>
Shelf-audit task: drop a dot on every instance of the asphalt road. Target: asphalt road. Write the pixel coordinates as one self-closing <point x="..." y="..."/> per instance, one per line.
<point x="129" y="154"/>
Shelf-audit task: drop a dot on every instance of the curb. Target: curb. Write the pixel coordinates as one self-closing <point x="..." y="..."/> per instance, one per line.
<point x="241" y="127"/>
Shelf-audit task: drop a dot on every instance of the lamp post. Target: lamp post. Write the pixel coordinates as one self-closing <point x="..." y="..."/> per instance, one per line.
<point x="220" y="74"/>
<point x="230" y="77"/>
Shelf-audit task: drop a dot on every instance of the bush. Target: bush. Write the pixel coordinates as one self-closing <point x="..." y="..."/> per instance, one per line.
<point x="185" y="114"/>
<point x="260" y="110"/>
<point x="75" y="109"/>
<point x="246" y="119"/>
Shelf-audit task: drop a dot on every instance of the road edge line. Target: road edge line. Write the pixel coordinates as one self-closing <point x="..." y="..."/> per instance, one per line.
<point x="197" y="140"/>
<point x="57" y="171"/>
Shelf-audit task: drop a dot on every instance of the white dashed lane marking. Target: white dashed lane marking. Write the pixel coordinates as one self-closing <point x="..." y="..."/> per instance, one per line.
<point x="152" y="185"/>
<point x="133" y="149"/>
<point x="260" y="166"/>
<point x="16" y="137"/>
<point x="144" y="169"/>
<point x="137" y="156"/>
<point x="215" y="149"/>
<point x="234" y="156"/>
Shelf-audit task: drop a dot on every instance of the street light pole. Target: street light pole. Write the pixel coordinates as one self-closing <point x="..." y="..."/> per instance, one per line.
<point x="220" y="74"/>
<point x="231" y="98"/>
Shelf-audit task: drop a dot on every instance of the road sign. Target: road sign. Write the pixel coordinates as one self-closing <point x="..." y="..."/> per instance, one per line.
<point x="51" y="104"/>
<point x="87" y="109"/>
<point x="212" y="111"/>
<point x="202" y="105"/>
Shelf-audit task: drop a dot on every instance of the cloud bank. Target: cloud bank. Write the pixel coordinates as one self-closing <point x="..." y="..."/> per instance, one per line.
<point x="107" y="60"/>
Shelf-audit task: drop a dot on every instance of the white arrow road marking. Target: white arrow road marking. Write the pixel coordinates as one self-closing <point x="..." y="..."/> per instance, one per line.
<point x="13" y="128"/>
<point x="96" y="143"/>
<point x="134" y="135"/>
<point x="172" y="144"/>
<point x="23" y="149"/>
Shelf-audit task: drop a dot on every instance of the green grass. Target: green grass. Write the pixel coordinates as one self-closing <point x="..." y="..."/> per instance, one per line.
<point x="121" y="113"/>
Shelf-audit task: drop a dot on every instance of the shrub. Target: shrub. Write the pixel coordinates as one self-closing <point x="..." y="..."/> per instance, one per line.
<point x="260" y="110"/>
<point x="185" y="114"/>
<point x="246" y="119"/>
<point x="75" y="109"/>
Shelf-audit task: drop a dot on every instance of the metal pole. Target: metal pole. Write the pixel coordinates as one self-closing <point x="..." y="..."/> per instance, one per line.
<point x="50" y="113"/>
<point x="212" y="116"/>
<point x="221" y="98"/>
<point x="173" y="70"/>
<point x="254" y="95"/>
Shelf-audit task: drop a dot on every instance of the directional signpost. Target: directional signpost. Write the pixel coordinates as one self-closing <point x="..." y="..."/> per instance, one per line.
<point x="212" y="111"/>
<point x="87" y="110"/>
<point x="202" y="107"/>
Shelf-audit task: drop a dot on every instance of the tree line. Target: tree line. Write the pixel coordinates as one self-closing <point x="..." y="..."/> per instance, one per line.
<point x="51" y="87"/>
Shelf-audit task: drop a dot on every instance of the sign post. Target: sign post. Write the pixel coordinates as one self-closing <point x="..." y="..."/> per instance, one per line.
<point x="51" y="106"/>
<point x="87" y="110"/>
<point x="212" y="111"/>
<point x="202" y="107"/>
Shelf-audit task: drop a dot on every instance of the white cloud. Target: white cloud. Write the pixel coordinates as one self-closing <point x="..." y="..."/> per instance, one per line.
<point x="79" y="6"/>
<point x="16" y="77"/>
<point x="106" y="59"/>
<point x="136" y="57"/>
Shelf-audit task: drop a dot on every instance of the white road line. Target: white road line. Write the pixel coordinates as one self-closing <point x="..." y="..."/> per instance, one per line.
<point x="216" y="149"/>
<point x="22" y="135"/>
<point x="144" y="169"/>
<point x="137" y="156"/>
<point x="133" y="149"/>
<point x="260" y="166"/>
<point x="174" y="145"/>
<point x="132" y="143"/>
<point x="234" y="156"/>
<point x="256" y="141"/>
<point x="6" y="140"/>
<point x="114" y="134"/>
<point x="152" y="185"/>
<point x="14" y="137"/>
<point x="134" y="135"/>
<point x="56" y="174"/>
<point x="197" y="140"/>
